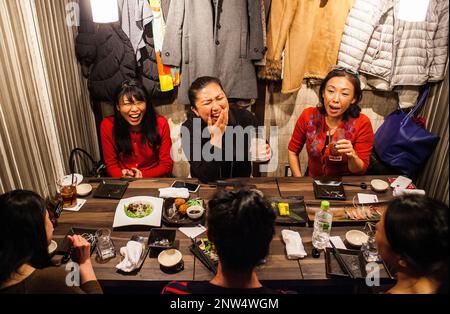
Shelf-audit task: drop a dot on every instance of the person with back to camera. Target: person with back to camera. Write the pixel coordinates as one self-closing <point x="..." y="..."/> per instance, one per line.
<point x="241" y="225"/>
<point x="210" y="108"/>
<point x="338" y="137"/>
<point x="412" y="238"/>
<point x="136" y="141"/>
<point x="25" y="264"/>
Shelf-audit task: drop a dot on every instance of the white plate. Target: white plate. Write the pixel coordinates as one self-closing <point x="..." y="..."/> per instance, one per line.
<point x="154" y="219"/>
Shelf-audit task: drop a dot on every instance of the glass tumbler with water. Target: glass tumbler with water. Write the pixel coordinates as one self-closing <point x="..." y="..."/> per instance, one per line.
<point x="370" y="250"/>
<point x="105" y="246"/>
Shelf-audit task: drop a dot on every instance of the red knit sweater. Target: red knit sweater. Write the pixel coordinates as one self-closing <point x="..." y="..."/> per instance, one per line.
<point x="311" y="130"/>
<point x="151" y="164"/>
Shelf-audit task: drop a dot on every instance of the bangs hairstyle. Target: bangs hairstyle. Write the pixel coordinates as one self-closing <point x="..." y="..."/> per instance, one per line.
<point x="199" y="84"/>
<point x="354" y="109"/>
<point x="23" y="238"/>
<point x="241" y="225"/>
<point x="416" y="228"/>
<point x="149" y="128"/>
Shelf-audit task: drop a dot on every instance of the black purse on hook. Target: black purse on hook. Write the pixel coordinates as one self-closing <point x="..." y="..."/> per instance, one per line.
<point x="94" y="168"/>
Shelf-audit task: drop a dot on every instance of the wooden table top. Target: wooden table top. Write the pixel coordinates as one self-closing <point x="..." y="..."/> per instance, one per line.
<point x="99" y="213"/>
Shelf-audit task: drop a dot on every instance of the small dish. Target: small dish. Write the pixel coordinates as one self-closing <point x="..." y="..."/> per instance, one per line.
<point x="356" y="237"/>
<point x="161" y="238"/>
<point x="52" y="247"/>
<point x="379" y="185"/>
<point x="84" y="189"/>
<point x="195" y="212"/>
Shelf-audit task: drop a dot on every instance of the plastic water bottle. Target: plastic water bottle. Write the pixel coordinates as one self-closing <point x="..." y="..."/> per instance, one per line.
<point x="322" y="226"/>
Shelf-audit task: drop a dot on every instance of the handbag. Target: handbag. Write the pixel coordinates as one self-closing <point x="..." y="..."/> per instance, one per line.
<point x="403" y="144"/>
<point x="94" y="168"/>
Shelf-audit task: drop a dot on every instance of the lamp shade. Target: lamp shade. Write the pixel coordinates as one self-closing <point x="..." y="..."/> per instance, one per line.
<point x="413" y="10"/>
<point x="105" y="11"/>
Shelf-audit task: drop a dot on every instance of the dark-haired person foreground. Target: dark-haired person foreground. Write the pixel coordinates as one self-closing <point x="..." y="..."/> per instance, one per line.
<point x="412" y="237"/>
<point x="136" y="141"/>
<point x="336" y="117"/>
<point x="25" y="264"/>
<point x="210" y="121"/>
<point x="241" y="224"/>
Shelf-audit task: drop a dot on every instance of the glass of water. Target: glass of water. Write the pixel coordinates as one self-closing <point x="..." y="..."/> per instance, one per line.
<point x="370" y="250"/>
<point x="105" y="246"/>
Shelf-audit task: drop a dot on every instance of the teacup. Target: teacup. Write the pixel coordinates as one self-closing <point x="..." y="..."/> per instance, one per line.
<point x="171" y="261"/>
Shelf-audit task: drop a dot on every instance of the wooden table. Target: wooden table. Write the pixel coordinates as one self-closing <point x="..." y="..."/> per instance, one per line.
<point x="278" y="271"/>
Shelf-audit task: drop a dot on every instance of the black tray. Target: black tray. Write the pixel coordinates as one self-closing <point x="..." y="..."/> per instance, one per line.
<point x="205" y="259"/>
<point x="296" y="206"/>
<point x="113" y="189"/>
<point x="330" y="192"/>
<point x="354" y="260"/>
<point x="177" y="220"/>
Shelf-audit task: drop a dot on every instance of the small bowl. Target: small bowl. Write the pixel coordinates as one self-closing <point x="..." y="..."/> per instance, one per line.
<point x="84" y="189"/>
<point x="195" y="212"/>
<point x="356" y="237"/>
<point x="170" y="258"/>
<point x="379" y="185"/>
<point x="52" y="247"/>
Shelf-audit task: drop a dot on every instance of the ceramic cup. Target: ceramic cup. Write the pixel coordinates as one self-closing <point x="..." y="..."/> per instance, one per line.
<point x="171" y="261"/>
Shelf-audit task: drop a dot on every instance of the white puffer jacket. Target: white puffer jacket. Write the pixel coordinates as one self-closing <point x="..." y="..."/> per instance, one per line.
<point x="376" y="42"/>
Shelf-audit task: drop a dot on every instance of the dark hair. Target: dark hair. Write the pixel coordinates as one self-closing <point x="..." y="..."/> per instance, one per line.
<point x="241" y="224"/>
<point x="23" y="238"/>
<point x="151" y="136"/>
<point x="416" y="228"/>
<point x="354" y="109"/>
<point x="199" y="84"/>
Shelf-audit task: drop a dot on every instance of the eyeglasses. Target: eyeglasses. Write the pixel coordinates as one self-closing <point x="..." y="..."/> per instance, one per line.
<point x="347" y="70"/>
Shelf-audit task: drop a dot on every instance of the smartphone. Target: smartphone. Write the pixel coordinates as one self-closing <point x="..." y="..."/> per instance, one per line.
<point x="192" y="187"/>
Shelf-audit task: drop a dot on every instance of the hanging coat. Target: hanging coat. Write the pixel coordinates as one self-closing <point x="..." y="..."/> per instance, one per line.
<point x="378" y="43"/>
<point x="309" y="33"/>
<point x="216" y="38"/>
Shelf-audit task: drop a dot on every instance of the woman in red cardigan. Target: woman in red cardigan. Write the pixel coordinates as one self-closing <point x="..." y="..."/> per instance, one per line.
<point x="136" y="141"/>
<point x="338" y="137"/>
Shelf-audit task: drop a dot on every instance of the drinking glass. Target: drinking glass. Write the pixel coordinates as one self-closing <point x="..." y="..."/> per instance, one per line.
<point x="105" y="246"/>
<point x="68" y="191"/>
<point x="338" y="135"/>
<point x="258" y="146"/>
<point x="370" y="250"/>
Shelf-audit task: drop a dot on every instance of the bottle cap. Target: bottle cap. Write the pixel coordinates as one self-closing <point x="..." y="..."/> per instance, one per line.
<point x="325" y="205"/>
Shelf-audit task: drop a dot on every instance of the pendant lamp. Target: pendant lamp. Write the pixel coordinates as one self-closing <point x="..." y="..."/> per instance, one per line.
<point x="105" y="11"/>
<point x="413" y="10"/>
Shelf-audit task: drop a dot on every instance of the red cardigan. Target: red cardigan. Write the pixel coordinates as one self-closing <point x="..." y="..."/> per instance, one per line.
<point x="312" y="130"/>
<point x="151" y="164"/>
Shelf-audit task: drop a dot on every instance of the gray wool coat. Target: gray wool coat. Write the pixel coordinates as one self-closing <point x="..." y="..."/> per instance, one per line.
<point x="216" y="38"/>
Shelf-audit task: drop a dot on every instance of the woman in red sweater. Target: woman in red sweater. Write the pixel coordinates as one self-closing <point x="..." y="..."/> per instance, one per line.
<point x="338" y="137"/>
<point x="136" y="141"/>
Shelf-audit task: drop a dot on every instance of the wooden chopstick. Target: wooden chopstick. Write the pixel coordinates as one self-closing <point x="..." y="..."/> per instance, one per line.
<point x="341" y="260"/>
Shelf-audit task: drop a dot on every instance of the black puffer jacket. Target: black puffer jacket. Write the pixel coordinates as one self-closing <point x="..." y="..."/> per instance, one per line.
<point x="106" y="50"/>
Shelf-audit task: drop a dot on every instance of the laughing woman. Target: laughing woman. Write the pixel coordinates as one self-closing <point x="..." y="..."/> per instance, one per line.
<point x="338" y="137"/>
<point x="136" y="141"/>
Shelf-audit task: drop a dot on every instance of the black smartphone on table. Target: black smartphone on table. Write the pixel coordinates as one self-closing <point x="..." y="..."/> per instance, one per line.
<point x="192" y="187"/>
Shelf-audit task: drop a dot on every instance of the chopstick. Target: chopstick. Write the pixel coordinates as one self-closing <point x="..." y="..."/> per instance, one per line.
<point x="341" y="260"/>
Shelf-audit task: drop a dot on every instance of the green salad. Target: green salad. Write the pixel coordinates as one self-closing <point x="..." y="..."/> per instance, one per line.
<point x="138" y="209"/>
